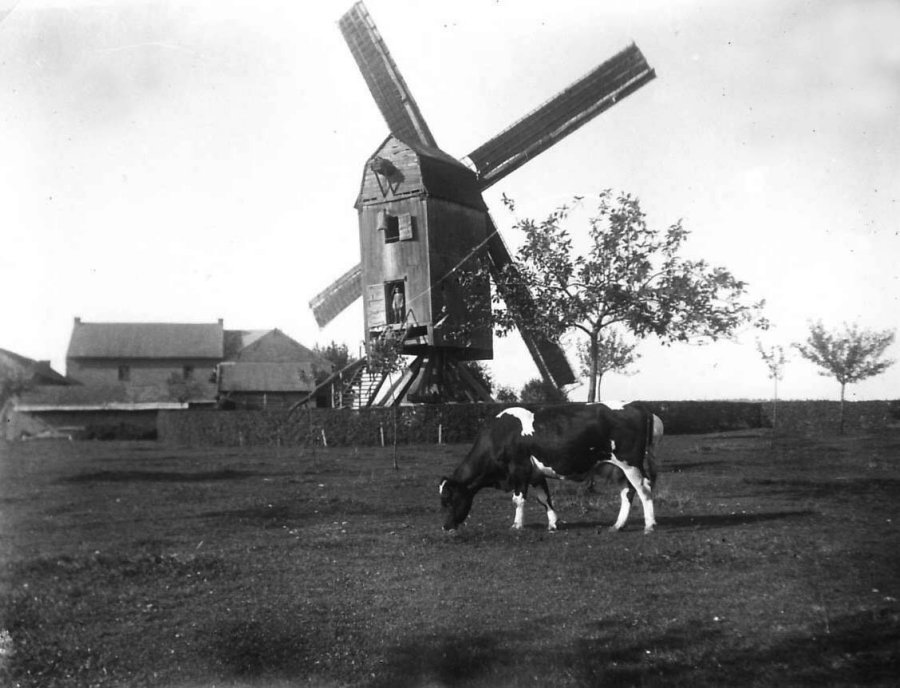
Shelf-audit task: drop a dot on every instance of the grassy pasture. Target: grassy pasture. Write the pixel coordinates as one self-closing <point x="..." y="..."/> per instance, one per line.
<point x="136" y="564"/>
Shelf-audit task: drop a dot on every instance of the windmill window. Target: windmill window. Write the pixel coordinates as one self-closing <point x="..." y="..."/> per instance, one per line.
<point x="187" y="372"/>
<point x="124" y="373"/>
<point x="396" y="227"/>
<point x="391" y="229"/>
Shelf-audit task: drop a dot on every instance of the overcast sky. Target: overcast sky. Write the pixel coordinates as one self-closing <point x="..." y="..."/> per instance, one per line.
<point x="192" y="160"/>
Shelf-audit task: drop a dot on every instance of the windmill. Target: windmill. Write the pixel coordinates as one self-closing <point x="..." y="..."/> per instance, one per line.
<point x="422" y="216"/>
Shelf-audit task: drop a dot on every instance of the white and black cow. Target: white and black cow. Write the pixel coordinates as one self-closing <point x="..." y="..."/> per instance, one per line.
<point x="519" y="449"/>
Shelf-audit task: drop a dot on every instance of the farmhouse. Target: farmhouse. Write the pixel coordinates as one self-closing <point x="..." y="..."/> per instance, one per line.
<point x="153" y="357"/>
<point x="123" y="374"/>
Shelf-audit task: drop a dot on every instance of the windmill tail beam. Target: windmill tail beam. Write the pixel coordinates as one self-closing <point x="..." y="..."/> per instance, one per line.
<point x="386" y="84"/>
<point x="327" y="304"/>
<point x="558" y="117"/>
<point x="547" y="355"/>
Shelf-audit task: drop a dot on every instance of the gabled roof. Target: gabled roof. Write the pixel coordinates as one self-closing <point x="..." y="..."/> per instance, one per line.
<point x="36" y="372"/>
<point x="275" y="346"/>
<point x="266" y="377"/>
<point x="439" y="175"/>
<point x="237" y="340"/>
<point x="146" y="340"/>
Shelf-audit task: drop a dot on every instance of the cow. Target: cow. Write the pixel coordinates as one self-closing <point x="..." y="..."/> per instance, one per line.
<point x="519" y="449"/>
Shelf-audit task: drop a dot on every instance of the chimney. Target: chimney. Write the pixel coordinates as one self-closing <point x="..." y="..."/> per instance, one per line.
<point x="221" y="322"/>
<point x="77" y="320"/>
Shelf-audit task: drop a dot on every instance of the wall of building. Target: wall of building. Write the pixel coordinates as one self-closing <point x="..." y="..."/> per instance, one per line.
<point x="143" y="373"/>
<point x="453" y="231"/>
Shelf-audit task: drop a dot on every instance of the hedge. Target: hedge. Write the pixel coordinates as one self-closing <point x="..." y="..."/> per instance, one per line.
<point x="453" y="423"/>
<point x="808" y="418"/>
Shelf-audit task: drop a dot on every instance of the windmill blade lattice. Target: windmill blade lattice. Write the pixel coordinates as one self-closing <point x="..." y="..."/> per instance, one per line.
<point x="573" y="107"/>
<point x="391" y="94"/>
<point x="327" y="304"/>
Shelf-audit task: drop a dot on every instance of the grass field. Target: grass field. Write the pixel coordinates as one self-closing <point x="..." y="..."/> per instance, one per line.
<point x="136" y="564"/>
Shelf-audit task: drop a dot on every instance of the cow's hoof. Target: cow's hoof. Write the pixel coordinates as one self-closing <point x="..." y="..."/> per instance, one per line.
<point x="648" y="530"/>
<point x="612" y="529"/>
<point x="551" y="529"/>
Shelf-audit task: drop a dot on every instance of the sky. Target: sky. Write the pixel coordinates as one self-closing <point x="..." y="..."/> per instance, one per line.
<point x="184" y="161"/>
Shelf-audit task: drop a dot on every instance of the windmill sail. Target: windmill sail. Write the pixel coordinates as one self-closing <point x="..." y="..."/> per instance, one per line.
<point x="384" y="80"/>
<point x="548" y="355"/>
<point x="599" y="90"/>
<point x="328" y="303"/>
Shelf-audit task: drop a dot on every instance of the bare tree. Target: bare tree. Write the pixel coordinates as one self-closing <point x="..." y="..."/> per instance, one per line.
<point x="774" y="359"/>
<point x="848" y="356"/>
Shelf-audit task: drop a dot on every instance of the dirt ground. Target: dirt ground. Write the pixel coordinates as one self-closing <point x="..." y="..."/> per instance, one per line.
<point x="136" y="564"/>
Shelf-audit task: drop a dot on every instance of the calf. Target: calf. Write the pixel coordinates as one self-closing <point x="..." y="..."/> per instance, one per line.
<point x="519" y="449"/>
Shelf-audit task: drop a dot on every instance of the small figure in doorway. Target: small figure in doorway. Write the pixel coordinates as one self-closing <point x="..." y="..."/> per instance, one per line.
<point x="397" y="303"/>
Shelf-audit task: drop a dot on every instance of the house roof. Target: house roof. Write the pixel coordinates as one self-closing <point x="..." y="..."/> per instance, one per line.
<point x="146" y="340"/>
<point x="274" y="346"/>
<point x="38" y="372"/>
<point x="266" y="377"/>
<point x="237" y="340"/>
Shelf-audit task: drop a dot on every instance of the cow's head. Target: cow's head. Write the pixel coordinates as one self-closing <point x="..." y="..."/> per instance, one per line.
<point x="456" y="501"/>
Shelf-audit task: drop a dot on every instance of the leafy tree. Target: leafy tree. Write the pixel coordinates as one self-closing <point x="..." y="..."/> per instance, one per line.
<point x="185" y="390"/>
<point x="539" y="391"/>
<point x="337" y="354"/>
<point x="613" y="354"/>
<point x="628" y="275"/>
<point x="848" y="356"/>
<point x="506" y="395"/>
<point x="385" y="354"/>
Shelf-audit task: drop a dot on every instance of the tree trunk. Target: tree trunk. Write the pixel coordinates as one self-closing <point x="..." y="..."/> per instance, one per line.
<point x="599" y="381"/>
<point x="592" y="388"/>
<point x="841" y="425"/>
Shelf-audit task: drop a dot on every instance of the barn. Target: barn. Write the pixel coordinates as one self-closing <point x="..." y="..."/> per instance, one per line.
<point x="267" y="370"/>
<point x="121" y="375"/>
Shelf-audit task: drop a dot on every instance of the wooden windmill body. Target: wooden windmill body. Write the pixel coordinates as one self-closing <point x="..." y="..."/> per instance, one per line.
<point x="422" y="217"/>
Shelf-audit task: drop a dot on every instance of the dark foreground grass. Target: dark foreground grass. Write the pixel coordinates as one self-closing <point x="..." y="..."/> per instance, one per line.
<point x="133" y="564"/>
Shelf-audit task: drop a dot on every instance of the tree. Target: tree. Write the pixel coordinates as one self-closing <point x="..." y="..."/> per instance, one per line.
<point x="848" y="356"/>
<point x="614" y="354"/>
<point x="628" y="275"/>
<point x="538" y="391"/>
<point x="336" y="354"/>
<point x="185" y="390"/>
<point x="506" y="395"/>
<point x="774" y="359"/>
